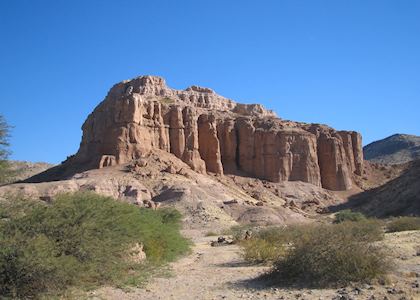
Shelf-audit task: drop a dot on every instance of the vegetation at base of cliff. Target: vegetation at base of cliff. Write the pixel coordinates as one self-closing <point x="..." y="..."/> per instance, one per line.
<point x="320" y="255"/>
<point x="348" y="215"/>
<point x="403" y="224"/>
<point x="82" y="240"/>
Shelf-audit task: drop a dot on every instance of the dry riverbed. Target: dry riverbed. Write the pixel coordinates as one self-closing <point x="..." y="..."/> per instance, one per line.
<point x="220" y="273"/>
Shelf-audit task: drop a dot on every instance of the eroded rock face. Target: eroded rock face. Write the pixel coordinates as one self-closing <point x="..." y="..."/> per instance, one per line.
<point x="214" y="134"/>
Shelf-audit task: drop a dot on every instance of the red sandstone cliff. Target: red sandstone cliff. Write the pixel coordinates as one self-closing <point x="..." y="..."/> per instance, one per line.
<point x="214" y="134"/>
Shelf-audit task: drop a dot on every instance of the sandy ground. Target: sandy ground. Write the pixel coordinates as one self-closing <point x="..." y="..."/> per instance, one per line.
<point x="220" y="273"/>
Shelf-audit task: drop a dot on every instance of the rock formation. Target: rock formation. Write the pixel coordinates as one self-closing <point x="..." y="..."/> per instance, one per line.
<point x="213" y="134"/>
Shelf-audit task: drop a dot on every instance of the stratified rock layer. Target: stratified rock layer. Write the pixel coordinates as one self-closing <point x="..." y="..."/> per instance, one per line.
<point x="214" y="134"/>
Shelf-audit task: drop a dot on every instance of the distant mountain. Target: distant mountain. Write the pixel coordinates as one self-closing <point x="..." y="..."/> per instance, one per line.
<point x="396" y="149"/>
<point x="25" y="169"/>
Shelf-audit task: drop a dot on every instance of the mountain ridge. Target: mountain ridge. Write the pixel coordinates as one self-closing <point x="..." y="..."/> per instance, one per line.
<point x="395" y="149"/>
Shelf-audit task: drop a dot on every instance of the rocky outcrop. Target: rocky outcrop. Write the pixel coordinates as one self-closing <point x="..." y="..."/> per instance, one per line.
<point x="214" y="134"/>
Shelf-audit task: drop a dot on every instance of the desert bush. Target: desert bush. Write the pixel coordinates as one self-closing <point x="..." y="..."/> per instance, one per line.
<point x="367" y="230"/>
<point x="403" y="224"/>
<point x="257" y="250"/>
<point x="331" y="255"/>
<point x="82" y="240"/>
<point x="268" y="244"/>
<point x="348" y="215"/>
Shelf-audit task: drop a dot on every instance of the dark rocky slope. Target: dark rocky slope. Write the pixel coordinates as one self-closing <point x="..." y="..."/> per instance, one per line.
<point x="398" y="197"/>
<point x="395" y="149"/>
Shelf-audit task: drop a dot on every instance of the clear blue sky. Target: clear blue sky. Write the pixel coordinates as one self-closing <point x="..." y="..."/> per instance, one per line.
<point x="349" y="64"/>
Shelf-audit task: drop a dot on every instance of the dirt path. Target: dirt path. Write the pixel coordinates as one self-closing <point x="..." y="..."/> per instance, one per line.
<point x="220" y="273"/>
<point x="210" y="273"/>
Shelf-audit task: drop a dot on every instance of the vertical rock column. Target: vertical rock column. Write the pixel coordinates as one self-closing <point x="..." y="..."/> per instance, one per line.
<point x="348" y="148"/>
<point x="191" y="154"/>
<point x="176" y="132"/>
<point x="123" y="140"/>
<point x="357" y="152"/>
<point x="245" y="133"/>
<point x="332" y="162"/>
<point x="209" y="146"/>
<point x="261" y="141"/>
<point x="161" y="138"/>
<point x="226" y="134"/>
<point x="352" y="143"/>
<point x="303" y="153"/>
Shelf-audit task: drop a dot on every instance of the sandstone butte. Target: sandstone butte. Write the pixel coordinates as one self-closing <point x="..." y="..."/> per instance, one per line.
<point x="214" y="134"/>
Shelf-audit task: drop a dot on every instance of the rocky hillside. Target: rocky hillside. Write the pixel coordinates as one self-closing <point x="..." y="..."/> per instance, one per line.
<point x="212" y="134"/>
<point x="22" y="170"/>
<point x="397" y="197"/>
<point x="207" y="202"/>
<point x="395" y="149"/>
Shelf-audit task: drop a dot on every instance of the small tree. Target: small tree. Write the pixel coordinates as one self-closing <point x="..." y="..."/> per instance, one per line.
<point x="5" y="172"/>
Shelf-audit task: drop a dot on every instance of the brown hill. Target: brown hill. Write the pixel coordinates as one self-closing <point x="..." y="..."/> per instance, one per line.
<point x="395" y="149"/>
<point x="22" y="170"/>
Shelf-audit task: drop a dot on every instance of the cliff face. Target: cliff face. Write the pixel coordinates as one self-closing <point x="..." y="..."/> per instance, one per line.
<point x="214" y="134"/>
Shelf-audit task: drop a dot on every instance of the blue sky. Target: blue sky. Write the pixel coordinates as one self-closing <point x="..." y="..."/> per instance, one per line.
<point x="350" y="64"/>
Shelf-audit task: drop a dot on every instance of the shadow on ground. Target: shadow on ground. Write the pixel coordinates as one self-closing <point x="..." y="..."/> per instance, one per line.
<point x="398" y="197"/>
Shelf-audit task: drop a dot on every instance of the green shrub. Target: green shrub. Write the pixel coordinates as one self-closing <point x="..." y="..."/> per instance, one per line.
<point x="367" y="230"/>
<point x="403" y="224"/>
<point x="332" y="255"/>
<point x="257" y="250"/>
<point x="285" y="234"/>
<point x="16" y="206"/>
<point x="83" y="240"/>
<point x="268" y="244"/>
<point x="348" y="215"/>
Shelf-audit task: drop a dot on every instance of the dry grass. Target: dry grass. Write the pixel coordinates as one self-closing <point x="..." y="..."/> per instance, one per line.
<point x="403" y="224"/>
